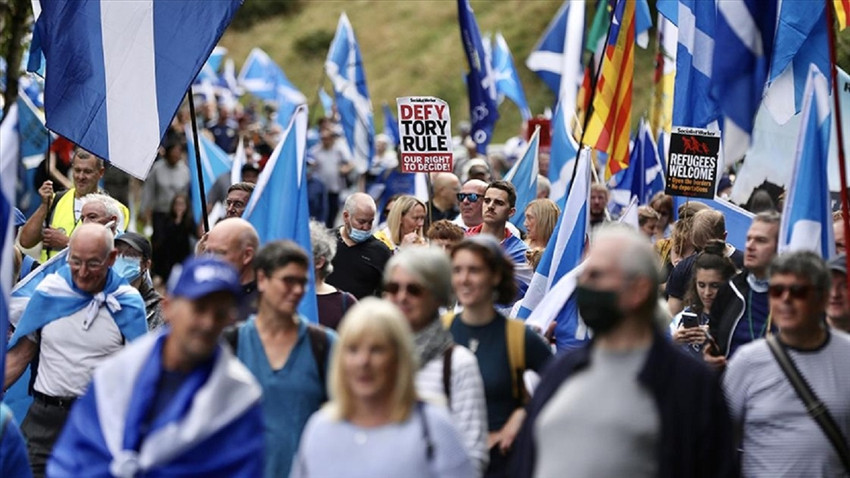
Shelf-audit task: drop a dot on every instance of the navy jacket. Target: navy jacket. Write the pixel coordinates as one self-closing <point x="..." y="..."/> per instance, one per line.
<point x="696" y="431"/>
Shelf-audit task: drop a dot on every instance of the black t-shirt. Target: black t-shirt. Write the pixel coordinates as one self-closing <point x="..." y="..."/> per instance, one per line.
<point x="680" y="278"/>
<point x="359" y="268"/>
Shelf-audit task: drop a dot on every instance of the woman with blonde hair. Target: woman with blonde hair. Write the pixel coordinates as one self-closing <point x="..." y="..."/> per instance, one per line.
<point x="374" y="425"/>
<point x="541" y="216"/>
<point x="404" y="223"/>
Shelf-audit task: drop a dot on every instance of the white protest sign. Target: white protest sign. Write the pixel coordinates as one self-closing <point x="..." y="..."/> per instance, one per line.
<point x="424" y="126"/>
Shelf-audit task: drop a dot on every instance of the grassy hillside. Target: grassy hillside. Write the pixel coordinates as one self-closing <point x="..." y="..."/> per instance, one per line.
<point x="412" y="47"/>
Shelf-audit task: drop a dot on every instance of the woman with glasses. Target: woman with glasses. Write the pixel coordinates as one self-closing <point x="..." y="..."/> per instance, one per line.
<point x="418" y="281"/>
<point x="404" y="224"/>
<point x="482" y="275"/>
<point x="374" y="425"/>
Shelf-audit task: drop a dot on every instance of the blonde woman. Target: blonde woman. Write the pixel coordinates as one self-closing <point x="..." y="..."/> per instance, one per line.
<point x="404" y="223"/>
<point x="541" y="216"/>
<point x="374" y="425"/>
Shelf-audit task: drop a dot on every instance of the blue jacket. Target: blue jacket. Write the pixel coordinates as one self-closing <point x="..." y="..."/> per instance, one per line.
<point x="696" y="431"/>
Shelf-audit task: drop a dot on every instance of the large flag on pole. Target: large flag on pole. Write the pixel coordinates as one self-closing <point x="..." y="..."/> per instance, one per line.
<point x="807" y="216"/>
<point x="118" y="71"/>
<point x="480" y="81"/>
<point x="693" y="104"/>
<point x="344" y="66"/>
<point x="801" y="40"/>
<point x="842" y="13"/>
<point x="8" y="176"/>
<point x="214" y="163"/>
<point x="562" y="157"/>
<point x="507" y="79"/>
<point x="563" y="254"/>
<point x="610" y="123"/>
<point x="743" y="47"/>
<point x="282" y="186"/>
<point x="523" y="175"/>
<point x="263" y="78"/>
<point x="557" y="56"/>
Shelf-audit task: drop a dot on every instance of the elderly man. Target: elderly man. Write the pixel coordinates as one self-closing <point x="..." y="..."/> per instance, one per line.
<point x="235" y="240"/>
<point x="779" y="433"/>
<point x="444" y="204"/>
<point x="63" y="210"/>
<point x="360" y="256"/>
<point x="237" y="199"/>
<point x="175" y="402"/>
<point x="838" y="307"/>
<point x="657" y="412"/>
<point x="102" y="209"/>
<point x="76" y="318"/>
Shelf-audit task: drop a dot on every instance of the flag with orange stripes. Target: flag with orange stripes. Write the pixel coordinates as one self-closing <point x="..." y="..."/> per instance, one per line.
<point x="610" y="124"/>
<point x="842" y="12"/>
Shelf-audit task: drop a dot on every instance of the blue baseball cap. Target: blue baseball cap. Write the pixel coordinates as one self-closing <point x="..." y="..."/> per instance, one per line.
<point x="200" y="276"/>
<point x="20" y="219"/>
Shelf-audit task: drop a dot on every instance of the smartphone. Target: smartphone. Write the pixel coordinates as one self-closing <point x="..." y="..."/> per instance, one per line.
<point x="689" y="320"/>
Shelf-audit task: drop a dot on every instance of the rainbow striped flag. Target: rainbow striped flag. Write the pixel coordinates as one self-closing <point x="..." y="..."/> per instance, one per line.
<point x="610" y="124"/>
<point x="842" y="12"/>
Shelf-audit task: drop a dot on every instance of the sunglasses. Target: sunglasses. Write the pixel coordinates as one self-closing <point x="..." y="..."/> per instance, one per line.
<point x="794" y="291"/>
<point x="473" y="197"/>
<point x="414" y="290"/>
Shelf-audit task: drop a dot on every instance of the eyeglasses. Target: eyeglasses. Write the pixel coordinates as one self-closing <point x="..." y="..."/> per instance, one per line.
<point x="473" y="197"/>
<point x="414" y="290"/>
<point x="232" y="203"/>
<point x="90" y="265"/>
<point x="794" y="291"/>
<point x="292" y="281"/>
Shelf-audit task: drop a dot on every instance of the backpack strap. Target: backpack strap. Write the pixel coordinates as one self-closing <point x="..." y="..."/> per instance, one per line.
<point x="320" y="345"/>
<point x="515" y="334"/>
<point x="447" y="375"/>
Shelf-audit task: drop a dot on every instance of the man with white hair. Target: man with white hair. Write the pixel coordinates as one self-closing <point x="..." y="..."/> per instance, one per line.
<point x="658" y="412"/>
<point x="102" y="209"/>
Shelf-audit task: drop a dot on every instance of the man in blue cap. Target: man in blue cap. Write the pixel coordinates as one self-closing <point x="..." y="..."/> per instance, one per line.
<point x="174" y="400"/>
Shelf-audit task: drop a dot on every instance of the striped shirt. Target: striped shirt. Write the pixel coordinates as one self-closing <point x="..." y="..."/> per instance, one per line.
<point x="780" y="438"/>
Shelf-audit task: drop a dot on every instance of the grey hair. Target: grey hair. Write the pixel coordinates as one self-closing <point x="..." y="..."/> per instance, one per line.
<point x="768" y="217"/>
<point x="324" y="246"/>
<point x="804" y="264"/>
<point x="636" y="258"/>
<point x="429" y="265"/>
<point x="543" y="184"/>
<point x="110" y="205"/>
<point x="352" y="200"/>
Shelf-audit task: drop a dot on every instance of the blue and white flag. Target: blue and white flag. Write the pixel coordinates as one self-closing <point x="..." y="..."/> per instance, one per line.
<point x="693" y="104"/>
<point x="282" y="186"/>
<point x="562" y="157"/>
<point x="523" y="175"/>
<point x="557" y="56"/>
<point x="391" y="125"/>
<point x="563" y="254"/>
<point x="327" y="102"/>
<point x="211" y="66"/>
<point x="801" y="40"/>
<point x="807" y="216"/>
<point x="480" y="81"/>
<point x="239" y="160"/>
<point x="644" y="177"/>
<point x="34" y="140"/>
<point x="118" y="71"/>
<point x="738" y="220"/>
<point x="214" y="163"/>
<point x="507" y="79"/>
<point x="344" y="66"/>
<point x="743" y="47"/>
<point x="263" y="78"/>
<point x="8" y="176"/>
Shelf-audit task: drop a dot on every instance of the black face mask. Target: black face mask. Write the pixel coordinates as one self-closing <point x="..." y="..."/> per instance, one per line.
<point x="598" y="309"/>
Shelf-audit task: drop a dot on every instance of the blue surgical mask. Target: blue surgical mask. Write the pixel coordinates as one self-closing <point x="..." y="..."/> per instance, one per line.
<point x="129" y="268"/>
<point x="359" y="235"/>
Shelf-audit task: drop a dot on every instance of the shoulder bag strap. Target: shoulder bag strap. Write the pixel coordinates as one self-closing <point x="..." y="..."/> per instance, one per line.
<point x="814" y="405"/>
<point x="447" y="375"/>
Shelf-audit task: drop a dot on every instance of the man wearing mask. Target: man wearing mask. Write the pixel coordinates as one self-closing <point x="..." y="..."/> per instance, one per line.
<point x="360" y="257"/>
<point x="659" y="413"/>
<point x="134" y="263"/>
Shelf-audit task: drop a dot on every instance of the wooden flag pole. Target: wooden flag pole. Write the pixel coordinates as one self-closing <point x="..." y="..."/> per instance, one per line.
<point x="842" y="161"/>
<point x="198" y="160"/>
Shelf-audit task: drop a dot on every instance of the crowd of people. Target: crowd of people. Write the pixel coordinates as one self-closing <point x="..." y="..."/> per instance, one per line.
<point x="183" y="352"/>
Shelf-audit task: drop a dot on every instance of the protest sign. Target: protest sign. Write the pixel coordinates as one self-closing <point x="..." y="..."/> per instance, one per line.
<point x="425" y="131"/>
<point x="693" y="163"/>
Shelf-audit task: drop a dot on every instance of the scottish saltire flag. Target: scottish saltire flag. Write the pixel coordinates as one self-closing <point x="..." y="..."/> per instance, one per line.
<point x="807" y="216"/>
<point x="842" y="13"/>
<point x="693" y="104"/>
<point x="210" y="69"/>
<point x="801" y="40"/>
<point x="118" y="71"/>
<point x="263" y="78"/>
<point x="507" y="79"/>
<point x="610" y="123"/>
<point x="282" y="186"/>
<point x="743" y="47"/>
<point x="630" y="216"/>
<point x="562" y="157"/>
<point x="214" y="163"/>
<point x="563" y="254"/>
<point x="239" y="160"/>
<point x="8" y="177"/>
<point x="661" y="108"/>
<point x="644" y="176"/>
<point x="523" y="175"/>
<point x="480" y="81"/>
<point x="669" y="9"/>
<point x="344" y="66"/>
<point x="557" y="56"/>
<point x="738" y="220"/>
<point x="327" y="102"/>
<point x="390" y="125"/>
